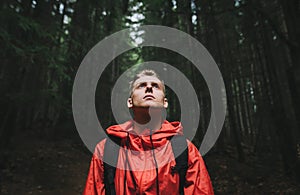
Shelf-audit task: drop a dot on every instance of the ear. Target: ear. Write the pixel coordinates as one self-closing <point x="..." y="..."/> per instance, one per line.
<point x="129" y="103"/>
<point x="166" y="103"/>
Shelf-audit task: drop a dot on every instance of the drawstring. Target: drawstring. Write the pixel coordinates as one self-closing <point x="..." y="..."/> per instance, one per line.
<point x="156" y="167"/>
<point x="130" y="171"/>
<point x="127" y="163"/>
<point x="125" y="176"/>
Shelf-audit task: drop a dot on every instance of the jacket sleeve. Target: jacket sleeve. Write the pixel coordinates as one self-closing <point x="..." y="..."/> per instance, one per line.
<point x="95" y="180"/>
<point x="197" y="178"/>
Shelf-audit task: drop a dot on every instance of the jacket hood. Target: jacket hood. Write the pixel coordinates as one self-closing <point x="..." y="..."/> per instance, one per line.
<point x="159" y="136"/>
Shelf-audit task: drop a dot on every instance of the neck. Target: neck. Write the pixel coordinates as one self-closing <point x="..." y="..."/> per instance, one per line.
<point x="147" y="118"/>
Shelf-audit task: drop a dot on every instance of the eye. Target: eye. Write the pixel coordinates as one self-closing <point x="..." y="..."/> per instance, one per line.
<point x="155" y="85"/>
<point x="141" y="85"/>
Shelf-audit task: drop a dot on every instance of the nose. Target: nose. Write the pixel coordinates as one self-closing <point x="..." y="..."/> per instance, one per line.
<point x="148" y="88"/>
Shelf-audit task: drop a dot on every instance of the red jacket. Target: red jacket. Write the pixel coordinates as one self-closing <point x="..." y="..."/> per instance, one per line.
<point x="140" y="159"/>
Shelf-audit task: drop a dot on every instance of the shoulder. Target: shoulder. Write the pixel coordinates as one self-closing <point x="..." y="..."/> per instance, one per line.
<point x="192" y="148"/>
<point x="99" y="149"/>
<point x="194" y="154"/>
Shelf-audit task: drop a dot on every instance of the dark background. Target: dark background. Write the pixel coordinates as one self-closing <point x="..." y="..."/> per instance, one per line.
<point x="255" y="44"/>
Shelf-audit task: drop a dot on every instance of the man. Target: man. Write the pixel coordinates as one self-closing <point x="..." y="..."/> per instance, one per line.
<point x="146" y="160"/>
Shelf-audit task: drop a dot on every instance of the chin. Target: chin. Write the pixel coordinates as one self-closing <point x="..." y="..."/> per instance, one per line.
<point x="151" y="106"/>
<point x="155" y="106"/>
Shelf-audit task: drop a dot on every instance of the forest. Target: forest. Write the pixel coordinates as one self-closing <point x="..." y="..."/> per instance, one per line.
<point x="255" y="44"/>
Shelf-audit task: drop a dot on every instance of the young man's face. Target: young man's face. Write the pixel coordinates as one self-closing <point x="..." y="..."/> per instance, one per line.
<point x="148" y="91"/>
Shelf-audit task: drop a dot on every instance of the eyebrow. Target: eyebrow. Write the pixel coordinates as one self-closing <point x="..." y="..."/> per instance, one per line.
<point x="152" y="82"/>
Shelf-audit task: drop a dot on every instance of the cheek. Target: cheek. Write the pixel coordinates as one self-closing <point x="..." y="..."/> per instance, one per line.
<point x="161" y="95"/>
<point x="135" y="98"/>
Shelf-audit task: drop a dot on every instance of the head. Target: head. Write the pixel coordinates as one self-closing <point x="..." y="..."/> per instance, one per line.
<point x="147" y="90"/>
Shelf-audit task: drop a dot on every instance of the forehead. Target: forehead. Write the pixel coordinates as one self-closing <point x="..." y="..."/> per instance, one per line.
<point x="147" y="79"/>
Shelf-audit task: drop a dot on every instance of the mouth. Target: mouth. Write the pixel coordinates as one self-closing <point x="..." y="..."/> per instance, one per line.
<point x="149" y="97"/>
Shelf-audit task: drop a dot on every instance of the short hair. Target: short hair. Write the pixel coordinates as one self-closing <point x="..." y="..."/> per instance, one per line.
<point x="146" y="72"/>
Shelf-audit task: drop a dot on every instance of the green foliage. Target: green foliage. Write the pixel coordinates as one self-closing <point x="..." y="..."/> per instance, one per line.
<point x="43" y="44"/>
<point x="35" y="61"/>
